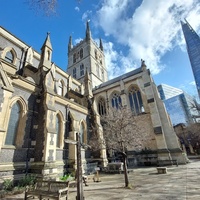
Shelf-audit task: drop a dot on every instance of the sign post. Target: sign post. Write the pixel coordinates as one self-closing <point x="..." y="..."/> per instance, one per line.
<point x="79" y="166"/>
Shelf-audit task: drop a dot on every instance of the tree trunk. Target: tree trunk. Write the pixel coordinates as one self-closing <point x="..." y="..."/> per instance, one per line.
<point x="125" y="171"/>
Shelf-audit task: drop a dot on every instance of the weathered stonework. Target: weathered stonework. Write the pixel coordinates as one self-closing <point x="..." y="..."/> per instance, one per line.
<point x="54" y="106"/>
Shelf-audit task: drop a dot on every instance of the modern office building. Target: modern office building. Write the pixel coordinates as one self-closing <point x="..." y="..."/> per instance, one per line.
<point x="193" y="48"/>
<point x="179" y="105"/>
<point x="167" y="91"/>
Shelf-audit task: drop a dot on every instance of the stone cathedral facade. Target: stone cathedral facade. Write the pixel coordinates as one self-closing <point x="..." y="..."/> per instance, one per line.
<point x="41" y="105"/>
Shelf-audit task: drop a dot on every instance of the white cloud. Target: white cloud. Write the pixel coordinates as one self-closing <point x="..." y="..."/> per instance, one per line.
<point x="149" y="32"/>
<point x="86" y="15"/>
<point x="189" y="87"/>
<point x="77" y="9"/>
<point x="76" y="41"/>
<point x="116" y="62"/>
<point x="192" y="83"/>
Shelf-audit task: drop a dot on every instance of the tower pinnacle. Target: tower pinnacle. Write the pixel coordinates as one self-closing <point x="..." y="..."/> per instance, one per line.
<point x="70" y="44"/>
<point x="100" y="44"/>
<point x="88" y="33"/>
<point x="47" y="42"/>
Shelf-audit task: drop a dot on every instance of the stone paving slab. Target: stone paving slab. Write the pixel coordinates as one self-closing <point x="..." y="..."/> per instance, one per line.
<point x="180" y="183"/>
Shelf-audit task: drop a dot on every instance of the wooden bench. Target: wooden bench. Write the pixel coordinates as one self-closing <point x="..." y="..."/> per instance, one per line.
<point x="162" y="170"/>
<point x="48" y="189"/>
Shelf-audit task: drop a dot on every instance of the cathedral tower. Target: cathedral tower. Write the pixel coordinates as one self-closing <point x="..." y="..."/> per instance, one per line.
<point x="87" y="55"/>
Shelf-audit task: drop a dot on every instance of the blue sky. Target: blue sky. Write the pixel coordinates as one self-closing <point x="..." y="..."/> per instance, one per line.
<point x="130" y="30"/>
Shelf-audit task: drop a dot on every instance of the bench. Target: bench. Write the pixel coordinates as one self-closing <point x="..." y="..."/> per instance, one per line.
<point x="167" y="162"/>
<point x="49" y="189"/>
<point x="162" y="170"/>
<point x="116" y="167"/>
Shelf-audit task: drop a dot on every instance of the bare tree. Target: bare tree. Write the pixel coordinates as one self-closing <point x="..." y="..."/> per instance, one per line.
<point x="48" y="7"/>
<point x="194" y="106"/>
<point x="191" y="133"/>
<point x="122" y="131"/>
<point x="192" y="136"/>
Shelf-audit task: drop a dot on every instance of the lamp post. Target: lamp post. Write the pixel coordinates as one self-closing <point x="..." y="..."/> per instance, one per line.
<point x="79" y="165"/>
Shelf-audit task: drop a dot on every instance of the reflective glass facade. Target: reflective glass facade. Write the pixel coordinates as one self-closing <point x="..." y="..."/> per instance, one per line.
<point x="193" y="49"/>
<point x="178" y="104"/>
<point x="178" y="109"/>
<point x="167" y="91"/>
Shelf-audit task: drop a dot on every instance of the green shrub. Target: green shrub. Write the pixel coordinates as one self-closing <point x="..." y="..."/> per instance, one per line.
<point x="27" y="180"/>
<point x="66" y="177"/>
<point x="8" y="184"/>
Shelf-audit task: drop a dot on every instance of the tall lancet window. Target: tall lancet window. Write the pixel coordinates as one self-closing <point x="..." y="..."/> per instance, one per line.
<point x="81" y="53"/>
<point x="95" y="53"/>
<point x="82" y="69"/>
<point x="82" y="133"/>
<point x="102" y="106"/>
<point x="97" y="70"/>
<point x="74" y="57"/>
<point x="58" y="130"/>
<point x="9" y="57"/>
<point x="135" y="100"/>
<point x="48" y="55"/>
<point x="13" y="124"/>
<point x="74" y="72"/>
<point x="116" y="100"/>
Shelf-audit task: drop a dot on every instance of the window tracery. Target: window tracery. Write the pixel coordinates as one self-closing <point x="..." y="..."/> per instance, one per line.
<point x="135" y="100"/>
<point x="9" y="57"/>
<point x="82" y="69"/>
<point x="102" y="106"/>
<point x="116" y="100"/>
<point x="13" y="124"/>
<point x="74" y="72"/>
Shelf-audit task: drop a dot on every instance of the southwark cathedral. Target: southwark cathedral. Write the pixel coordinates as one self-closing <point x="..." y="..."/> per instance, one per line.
<point x="41" y="105"/>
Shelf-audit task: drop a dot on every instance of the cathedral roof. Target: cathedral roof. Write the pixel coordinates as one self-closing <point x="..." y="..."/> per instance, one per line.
<point x="117" y="79"/>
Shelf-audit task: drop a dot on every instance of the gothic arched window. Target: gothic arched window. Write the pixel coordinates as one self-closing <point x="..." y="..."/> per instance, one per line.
<point x="116" y="100"/>
<point x="74" y="58"/>
<point x="9" y="57"/>
<point x="82" y="133"/>
<point x="135" y="100"/>
<point x="82" y="69"/>
<point x="74" y="72"/>
<point x="81" y="53"/>
<point x="13" y="124"/>
<point x="97" y="69"/>
<point x="95" y="53"/>
<point x="102" y="106"/>
<point x="58" y="130"/>
<point x="48" y="55"/>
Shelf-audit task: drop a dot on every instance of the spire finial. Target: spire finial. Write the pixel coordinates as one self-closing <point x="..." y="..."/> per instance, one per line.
<point x="47" y="42"/>
<point x="88" y="33"/>
<point x="70" y="44"/>
<point x="100" y="44"/>
<point x="143" y="65"/>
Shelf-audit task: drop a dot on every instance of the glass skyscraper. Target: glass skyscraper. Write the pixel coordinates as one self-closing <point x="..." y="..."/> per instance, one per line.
<point x="167" y="91"/>
<point x="178" y="104"/>
<point x="193" y="49"/>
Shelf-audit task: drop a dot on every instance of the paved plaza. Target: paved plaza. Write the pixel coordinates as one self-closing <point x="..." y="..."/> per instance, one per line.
<point x="180" y="183"/>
